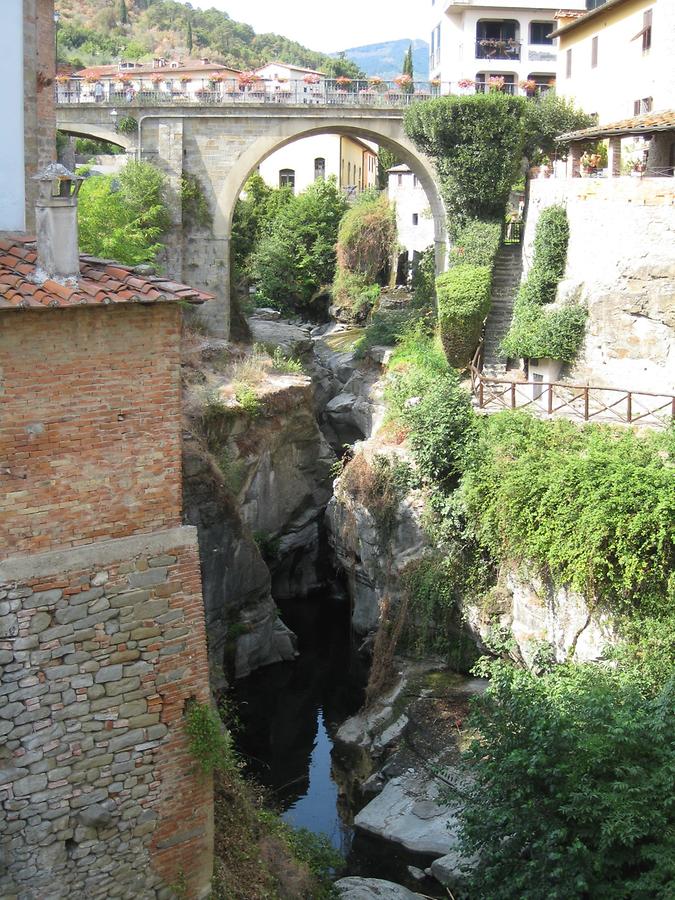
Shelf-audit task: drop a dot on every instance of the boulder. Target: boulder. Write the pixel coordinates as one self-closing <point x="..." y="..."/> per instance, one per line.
<point x="373" y="889"/>
<point x="293" y="339"/>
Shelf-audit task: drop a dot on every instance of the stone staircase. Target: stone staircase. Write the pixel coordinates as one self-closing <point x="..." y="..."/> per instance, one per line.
<point x="505" y="283"/>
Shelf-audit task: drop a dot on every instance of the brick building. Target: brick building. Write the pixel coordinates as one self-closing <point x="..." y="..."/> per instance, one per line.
<point x="102" y="638"/>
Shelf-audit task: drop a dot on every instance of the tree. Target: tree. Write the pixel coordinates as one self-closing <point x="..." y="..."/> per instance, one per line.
<point x="408" y="69"/>
<point x="546" y="117"/>
<point x="188" y="35"/>
<point x="476" y="143"/>
<point x="123" y="15"/>
<point x="572" y="796"/>
<point x="122" y="217"/>
<point x="296" y="257"/>
<point x="386" y="159"/>
<point x="253" y="216"/>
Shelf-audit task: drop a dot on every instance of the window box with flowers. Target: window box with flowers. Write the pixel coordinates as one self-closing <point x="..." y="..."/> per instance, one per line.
<point x="343" y="81"/>
<point x="529" y="85"/>
<point x="312" y="79"/>
<point x="495" y="83"/>
<point x="465" y="83"/>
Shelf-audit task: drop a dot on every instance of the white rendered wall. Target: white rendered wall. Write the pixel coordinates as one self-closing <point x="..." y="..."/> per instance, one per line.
<point x="410" y="200"/>
<point x="13" y="192"/>
<point x="300" y="156"/>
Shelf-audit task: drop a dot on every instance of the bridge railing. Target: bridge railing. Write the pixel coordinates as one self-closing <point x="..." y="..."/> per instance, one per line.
<point x="328" y="92"/>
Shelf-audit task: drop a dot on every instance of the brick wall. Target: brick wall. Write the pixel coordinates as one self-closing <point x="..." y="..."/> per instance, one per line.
<point x="90" y="425"/>
<point x="100" y="648"/>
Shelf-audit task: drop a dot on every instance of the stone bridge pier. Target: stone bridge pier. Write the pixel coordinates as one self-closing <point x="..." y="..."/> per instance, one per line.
<point x="222" y="146"/>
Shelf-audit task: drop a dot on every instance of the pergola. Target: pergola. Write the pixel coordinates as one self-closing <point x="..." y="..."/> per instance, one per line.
<point x="658" y="127"/>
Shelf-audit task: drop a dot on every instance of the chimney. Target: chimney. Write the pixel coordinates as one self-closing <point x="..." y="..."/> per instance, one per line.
<point x="58" y="255"/>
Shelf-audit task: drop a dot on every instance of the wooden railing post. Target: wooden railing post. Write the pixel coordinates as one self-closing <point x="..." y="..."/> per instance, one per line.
<point x="480" y="391"/>
<point x="586" y="404"/>
<point x="513" y="395"/>
<point x="550" y="399"/>
<point x="629" y="406"/>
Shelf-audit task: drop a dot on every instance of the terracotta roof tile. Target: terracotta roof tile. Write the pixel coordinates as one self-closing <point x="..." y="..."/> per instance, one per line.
<point x="101" y="282"/>
<point x="647" y="123"/>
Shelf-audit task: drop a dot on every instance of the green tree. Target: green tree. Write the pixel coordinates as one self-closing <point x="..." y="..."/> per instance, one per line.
<point x="188" y="35"/>
<point x="253" y="215"/>
<point x="386" y="159"/>
<point x="476" y="143"/>
<point x="408" y="69"/>
<point x="546" y="117"/>
<point x="572" y="786"/>
<point x="123" y="14"/>
<point x="297" y="255"/>
<point x="123" y="217"/>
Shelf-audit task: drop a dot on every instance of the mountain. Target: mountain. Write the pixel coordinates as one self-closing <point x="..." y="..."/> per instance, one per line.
<point x="92" y="32"/>
<point x="386" y="59"/>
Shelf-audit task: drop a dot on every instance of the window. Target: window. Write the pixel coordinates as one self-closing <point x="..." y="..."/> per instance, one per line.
<point x="540" y="31"/>
<point x="594" y="52"/>
<point x="415" y="181"/>
<point x="349" y="173"/>
<point x="287" y="178"/>
<point x="400" y="180"/>
<point x="319" y="168"/>
<point x="568" y="64"/>
<point x="416" y="218"/>
<point x="647" y="31"/>
<point x="642" y="106"/>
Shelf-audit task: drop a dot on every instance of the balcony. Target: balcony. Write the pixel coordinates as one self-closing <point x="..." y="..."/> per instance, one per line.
<point x="498" y="48"/>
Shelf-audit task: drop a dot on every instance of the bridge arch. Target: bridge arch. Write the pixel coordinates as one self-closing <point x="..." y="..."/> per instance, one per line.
<point x="99" y="132"/>
<point x="384" y="132"/>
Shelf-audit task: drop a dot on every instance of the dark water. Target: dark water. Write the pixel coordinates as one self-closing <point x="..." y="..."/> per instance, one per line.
<point x="290" y="712"/>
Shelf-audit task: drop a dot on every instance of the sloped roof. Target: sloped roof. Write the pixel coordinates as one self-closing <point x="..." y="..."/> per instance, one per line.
<point x="102" y="282"/>
<point x="167" y="71"/>
<point x="292" y="67"/>
<point x="647" y="123"/>
<point x="583" y="17"/>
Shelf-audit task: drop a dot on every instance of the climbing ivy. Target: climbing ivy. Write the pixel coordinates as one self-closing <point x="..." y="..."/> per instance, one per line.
<point x="209" y="741"/>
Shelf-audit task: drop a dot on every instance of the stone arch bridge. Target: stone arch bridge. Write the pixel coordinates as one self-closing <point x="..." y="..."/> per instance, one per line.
<point x="222" y="146"/>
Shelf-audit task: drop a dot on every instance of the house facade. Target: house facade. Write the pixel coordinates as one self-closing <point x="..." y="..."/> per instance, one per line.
<point x="473" y="42"/>
<point x="414" y="222"/>
<point x="165" y="79"/>
<point x="616" y="61"/>
<point x="352" y="162"/>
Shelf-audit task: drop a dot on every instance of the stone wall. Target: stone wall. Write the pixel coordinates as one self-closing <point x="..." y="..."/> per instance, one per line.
<point x="621" y="263"/>
<point x="101" y="648"/>
<point x="90" y="424"/>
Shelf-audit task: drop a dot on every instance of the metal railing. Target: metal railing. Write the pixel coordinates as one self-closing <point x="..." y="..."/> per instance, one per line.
<point x="328" y="93"/>
<point x="579" y="402"/>
<point x="491" y="48"/>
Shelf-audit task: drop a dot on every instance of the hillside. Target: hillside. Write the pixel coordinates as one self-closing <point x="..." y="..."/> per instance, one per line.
<point x="386" y="59"/>
<point x="100" y="31"/>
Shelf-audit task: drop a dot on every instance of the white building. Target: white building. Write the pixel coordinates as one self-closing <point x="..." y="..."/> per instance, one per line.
<point x="292" y="83"/>
<point x="413" y="214"/>
<point x="472" y="42"/>
<point x="351" y="161"/>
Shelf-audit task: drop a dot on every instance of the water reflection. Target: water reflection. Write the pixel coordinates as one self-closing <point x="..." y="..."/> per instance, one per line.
<point x="290" y="713"/>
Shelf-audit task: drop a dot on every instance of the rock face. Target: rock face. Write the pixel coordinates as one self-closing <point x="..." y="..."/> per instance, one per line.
<point x="240" y="611"/>
<point x="373" y="889"/>
<point x="371" y="561"/>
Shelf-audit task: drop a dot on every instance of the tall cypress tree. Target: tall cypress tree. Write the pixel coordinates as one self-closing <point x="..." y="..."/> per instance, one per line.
<point x="188" y="36"/>
<point x="408" y="69"/>
<point x="124" y="15"/>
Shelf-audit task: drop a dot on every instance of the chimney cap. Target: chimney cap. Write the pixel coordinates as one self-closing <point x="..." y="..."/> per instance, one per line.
<point x="58" y="183"/>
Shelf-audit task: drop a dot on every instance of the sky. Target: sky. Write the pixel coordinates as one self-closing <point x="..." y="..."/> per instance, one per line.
<point x="330" y="26"/>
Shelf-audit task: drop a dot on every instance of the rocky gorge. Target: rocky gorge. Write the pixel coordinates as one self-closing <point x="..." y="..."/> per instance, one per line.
<point x="274" y="436"/>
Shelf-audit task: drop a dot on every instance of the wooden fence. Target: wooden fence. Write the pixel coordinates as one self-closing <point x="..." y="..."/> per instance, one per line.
<point x="573" y="401"/>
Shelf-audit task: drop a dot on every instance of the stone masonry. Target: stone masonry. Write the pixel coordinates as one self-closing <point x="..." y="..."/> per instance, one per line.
<point x="101" y="649"/>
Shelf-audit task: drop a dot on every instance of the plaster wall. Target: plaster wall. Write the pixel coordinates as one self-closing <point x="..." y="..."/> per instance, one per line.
<point x="410" y="200"/>
<point x="624" y="72"/>
<point x="300" y="156"/>
<point x="621" y="264"/>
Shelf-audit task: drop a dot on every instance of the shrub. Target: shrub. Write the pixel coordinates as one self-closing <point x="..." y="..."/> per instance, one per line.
<point x="286" y="364"/>
<point x="476" y="244"/>
<point x="476" y="143"/>
<point x="367" y="236"/>
<point x="423" y="280"/>
<point x="571" y="792"/>
<point x="463" y="302"/>
<point x="380" y="485"/>
<point x="354" y="291"/>
<point x="546" y="117"/>
<point x="592" y="508"/>
<point x="537" y="332"/>
<point x="441" y="424"/>
<point x="195" y="206"/>
<point x="209" y="741"/>
<point x="253" y="216"/>
<point x="416" y="364"/>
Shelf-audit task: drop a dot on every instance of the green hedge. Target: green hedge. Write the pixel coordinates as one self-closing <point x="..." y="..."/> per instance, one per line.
<point x="463" y="302"/>
<point x="476" y="243"/>
<point x="537" y="332"/>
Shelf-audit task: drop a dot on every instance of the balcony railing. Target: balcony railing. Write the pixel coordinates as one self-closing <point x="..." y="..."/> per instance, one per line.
<point x="489" y="48"/>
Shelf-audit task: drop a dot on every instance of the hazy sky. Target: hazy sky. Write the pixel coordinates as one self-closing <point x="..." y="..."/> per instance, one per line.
<point x="330" y="26"/>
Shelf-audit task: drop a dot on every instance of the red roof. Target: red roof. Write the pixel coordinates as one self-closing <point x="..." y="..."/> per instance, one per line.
<point x="101" y="282"/>
<point x="168" y="71"/>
